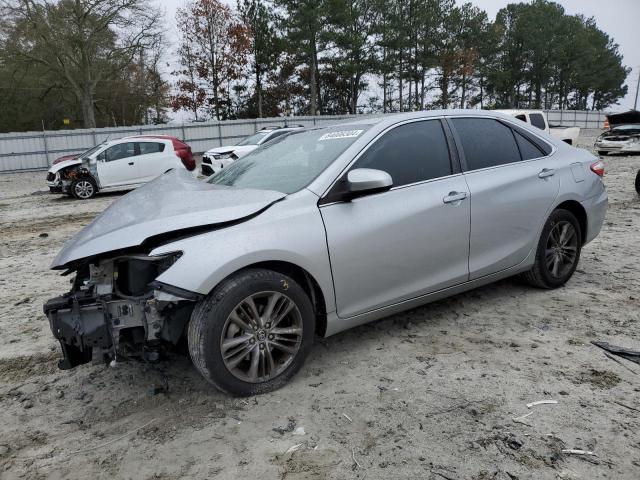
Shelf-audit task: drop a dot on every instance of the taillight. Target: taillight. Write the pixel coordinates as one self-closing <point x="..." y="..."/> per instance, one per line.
<point x="606" y="124"/>
<point x="598" y="168"/>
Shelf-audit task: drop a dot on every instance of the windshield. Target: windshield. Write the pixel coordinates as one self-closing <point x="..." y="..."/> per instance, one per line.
<point x="290" y="162"/>
<point x="90" y="151"/>
<point x="254" y="139"/>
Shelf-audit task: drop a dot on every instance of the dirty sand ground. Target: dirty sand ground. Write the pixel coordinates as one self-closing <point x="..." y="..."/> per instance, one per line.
<point x="426" y="394"/>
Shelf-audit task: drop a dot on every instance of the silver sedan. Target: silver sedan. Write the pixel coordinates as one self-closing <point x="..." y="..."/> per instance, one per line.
<point x="322" y="230"/>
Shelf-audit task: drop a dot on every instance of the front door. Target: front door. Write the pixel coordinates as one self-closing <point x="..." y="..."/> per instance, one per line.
<point x="117" y="165"/>
<point x="409" y="241"/>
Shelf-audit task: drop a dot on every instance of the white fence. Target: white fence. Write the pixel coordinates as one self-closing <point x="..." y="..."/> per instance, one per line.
<point x="36" y="150"/>
<point x="577" y="118"/>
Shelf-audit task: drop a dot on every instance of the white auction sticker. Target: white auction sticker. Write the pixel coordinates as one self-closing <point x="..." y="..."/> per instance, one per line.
<point x="340" y="134"/>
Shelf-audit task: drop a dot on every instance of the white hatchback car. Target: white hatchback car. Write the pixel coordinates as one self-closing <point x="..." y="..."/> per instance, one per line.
<point x="122" y="164"/>
<point x="218" y="158"/>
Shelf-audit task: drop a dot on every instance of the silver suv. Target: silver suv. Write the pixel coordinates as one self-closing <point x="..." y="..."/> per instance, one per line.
<point x="324" y="230"/>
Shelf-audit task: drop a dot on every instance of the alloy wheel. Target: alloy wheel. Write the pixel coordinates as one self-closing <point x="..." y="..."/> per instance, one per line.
<point x="261" y="337"/>
<point x="83" y="189"/>
<point x="562" y="249"/>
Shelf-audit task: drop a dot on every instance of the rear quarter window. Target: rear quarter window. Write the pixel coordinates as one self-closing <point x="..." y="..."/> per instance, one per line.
<point x="537" y="120"/>
<point x="528" y="149"/>
<point x="151" y="147"/>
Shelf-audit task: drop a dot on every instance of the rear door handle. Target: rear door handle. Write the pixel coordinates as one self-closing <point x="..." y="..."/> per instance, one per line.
<point x="130" y="163"/>
<point x="547" y="172"/>
<point x="454" y="197"/>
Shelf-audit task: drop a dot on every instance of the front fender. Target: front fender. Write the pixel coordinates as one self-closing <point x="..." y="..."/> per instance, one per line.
<point x="290" y="231"/>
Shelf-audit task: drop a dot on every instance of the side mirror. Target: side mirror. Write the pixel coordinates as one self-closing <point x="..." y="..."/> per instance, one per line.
<point x="367" y="180"/>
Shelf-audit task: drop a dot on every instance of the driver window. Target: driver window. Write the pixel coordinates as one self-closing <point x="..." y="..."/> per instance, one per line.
<point x="116" y="152"/>
<point x="411" y="153"/>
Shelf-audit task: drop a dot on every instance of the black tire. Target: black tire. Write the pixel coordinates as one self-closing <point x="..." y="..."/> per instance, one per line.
<point x="83" y="188"/>
<point x="211" y="322"/>
<point x="638" y="182"/>
<point x="602" y="153"/>
<point x="541" y="274"/>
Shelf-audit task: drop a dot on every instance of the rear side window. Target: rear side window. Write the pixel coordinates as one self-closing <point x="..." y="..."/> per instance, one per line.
<point x="410" y="153"/>
<point x="537" y="120"/>
<point x="486" y="142"/>
<point x="527" y="149"/>
<point x="151" y="147"/>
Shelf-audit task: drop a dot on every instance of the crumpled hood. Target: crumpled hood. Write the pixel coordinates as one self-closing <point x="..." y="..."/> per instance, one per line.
<point x="64" y="164"/>
<point x="237" y="149"/>
<point x="172" y="202"/>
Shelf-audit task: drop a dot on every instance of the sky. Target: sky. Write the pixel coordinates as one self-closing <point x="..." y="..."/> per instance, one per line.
<point x="619" y="18"/>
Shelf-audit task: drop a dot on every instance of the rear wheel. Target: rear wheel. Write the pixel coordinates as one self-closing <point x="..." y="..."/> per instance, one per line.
<point x="558" y="251"/>
<point x="83" y="188"/>
<point x="252" y="333"/>
<point x="638" y="182"/>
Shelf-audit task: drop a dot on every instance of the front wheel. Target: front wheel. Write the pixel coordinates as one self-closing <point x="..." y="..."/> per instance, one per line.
<point x="558" y="251"/>
<point x="638" y="182"/>
<point x="252" y="333"/>
<point x="83" y="188"/>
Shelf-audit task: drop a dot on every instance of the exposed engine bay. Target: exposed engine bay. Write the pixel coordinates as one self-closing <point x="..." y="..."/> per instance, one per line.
<point x="61" y="181"/>
<point x="115" y="310"/>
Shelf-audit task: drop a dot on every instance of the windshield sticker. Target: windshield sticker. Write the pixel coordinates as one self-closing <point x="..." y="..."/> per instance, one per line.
<point x="340" y="134"/>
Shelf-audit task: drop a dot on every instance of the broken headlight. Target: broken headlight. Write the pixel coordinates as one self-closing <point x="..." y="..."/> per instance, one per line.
<point x="134" y="274"/>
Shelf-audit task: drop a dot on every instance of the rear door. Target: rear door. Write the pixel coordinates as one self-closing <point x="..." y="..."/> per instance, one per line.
<point x="152" y="160"/>
<point x="117" y="165"/>
<point x="411" y="240"/>
<point x="513" y="185"/>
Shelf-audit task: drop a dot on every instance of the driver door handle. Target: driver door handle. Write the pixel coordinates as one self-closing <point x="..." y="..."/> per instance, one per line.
<point x="454" y="197"/>
<point x="130" y="163"/>
<point x="546" y="172"/>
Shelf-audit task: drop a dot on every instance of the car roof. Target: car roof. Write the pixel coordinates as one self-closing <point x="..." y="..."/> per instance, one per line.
<point x="390" y="119"/>
<point x="152" y="137"/>
<point x="517" y="111"/>
<point x="274" y="128"/>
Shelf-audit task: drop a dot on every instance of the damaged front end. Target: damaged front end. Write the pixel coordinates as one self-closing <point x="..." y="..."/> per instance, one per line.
<point x="61" y="181"/>
<point x="116" y="310"/>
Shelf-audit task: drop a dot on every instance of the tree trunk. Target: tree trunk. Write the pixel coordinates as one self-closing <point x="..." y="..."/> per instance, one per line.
<point x="444" y="88"/>
<point x="400" y="80"/>
<point x="313" y="93"/>
<point x="422" y="90"/>
<point x="354" y="95"/>
<point x="86" y="102"/>
<point x="409" y="100"/>
<point x="259" y="89"/>
<point x="384" y="93"/>
<point x="317" y="76"/>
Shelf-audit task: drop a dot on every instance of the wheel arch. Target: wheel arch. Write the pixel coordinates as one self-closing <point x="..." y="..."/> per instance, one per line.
<point x="309" y="284"/>
<point x="579" y="212"/>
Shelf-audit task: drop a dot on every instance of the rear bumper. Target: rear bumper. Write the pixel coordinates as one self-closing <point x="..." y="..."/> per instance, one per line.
<point x="596" y="208"/>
